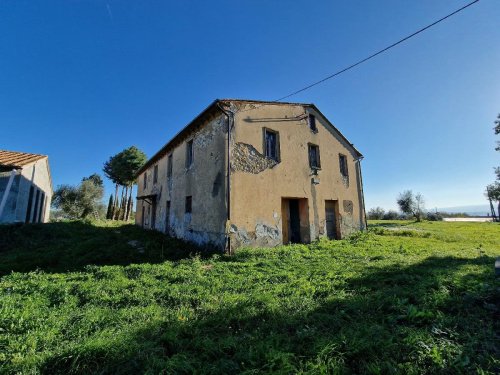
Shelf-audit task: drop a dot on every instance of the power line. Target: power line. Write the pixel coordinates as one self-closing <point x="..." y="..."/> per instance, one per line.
<point x="372" y="55"/>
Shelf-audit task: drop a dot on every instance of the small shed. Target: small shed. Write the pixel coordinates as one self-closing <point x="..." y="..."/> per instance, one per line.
<point x="25" y="187"/>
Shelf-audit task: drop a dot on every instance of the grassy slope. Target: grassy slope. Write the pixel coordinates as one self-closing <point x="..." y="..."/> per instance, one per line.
<point x="411" y="298"/>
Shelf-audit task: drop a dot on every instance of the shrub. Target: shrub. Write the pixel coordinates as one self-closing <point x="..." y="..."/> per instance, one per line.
<point x="391" y="215"/>
<point x="434" y="216"/>
<point x="376" y="213"/>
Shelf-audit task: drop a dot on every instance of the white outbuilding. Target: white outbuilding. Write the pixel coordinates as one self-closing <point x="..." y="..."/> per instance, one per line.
<point x="25" y="187"/>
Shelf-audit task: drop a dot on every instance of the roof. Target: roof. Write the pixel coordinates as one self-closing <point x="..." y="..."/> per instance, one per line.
<point x="16" y="160"/>
<point x="214" y="107"/>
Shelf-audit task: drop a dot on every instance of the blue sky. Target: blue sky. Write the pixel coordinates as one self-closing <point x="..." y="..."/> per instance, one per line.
<point x="81" y="80"/>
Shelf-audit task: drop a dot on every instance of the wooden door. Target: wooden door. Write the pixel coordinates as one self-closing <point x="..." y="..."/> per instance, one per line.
<point x="331" y="220"/>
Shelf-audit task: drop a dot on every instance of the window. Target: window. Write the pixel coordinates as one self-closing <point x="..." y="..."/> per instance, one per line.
<point x="271" y="144"/>
<point x="35" y="208"/>
<point x="343" y="165"/>
<point x="30" y="203"/>
<point x="42" y="205"/>
<point x="189" y="153"/>
<point x="314" y="161"/>
<point x="155" y="174"/>
<point x="169" y="166"/>
<point x="312" y="123"/>
<point x="189" y="204"/>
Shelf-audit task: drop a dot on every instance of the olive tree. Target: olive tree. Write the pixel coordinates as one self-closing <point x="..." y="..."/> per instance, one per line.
<point x="82" y="201"/>
<point x="411" y="204"/>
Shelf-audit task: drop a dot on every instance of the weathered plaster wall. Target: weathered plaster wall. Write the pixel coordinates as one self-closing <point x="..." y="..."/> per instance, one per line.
<point x="258" y="185"/>
<point x="36" y="175"/>
<point x="204" y="180"/>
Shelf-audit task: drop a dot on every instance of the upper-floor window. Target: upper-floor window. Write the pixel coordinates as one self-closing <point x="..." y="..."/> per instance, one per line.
<point x="189" y="204"/>
<point x="312" y="123"/>
<point x="155" y="174"/>
<point x="314" y="160"/>
<point x="271" y="144"/>
<point x="343" y="165"/>
<point x="169" y="165"/>
<point x="189" y="153"/>
<point x="145" y="182"/>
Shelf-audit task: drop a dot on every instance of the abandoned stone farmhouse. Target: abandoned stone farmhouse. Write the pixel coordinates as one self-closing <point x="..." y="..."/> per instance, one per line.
<point x="254" y="173"/>
<point x="25" y="187"/>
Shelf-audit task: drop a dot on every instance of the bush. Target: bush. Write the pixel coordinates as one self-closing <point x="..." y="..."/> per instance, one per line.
<point x="391" y="215"/>
<point x="434" y="216"/>
<point x="376" y="213"/>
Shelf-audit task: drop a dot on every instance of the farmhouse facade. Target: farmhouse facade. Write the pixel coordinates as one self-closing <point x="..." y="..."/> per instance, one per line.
<point x="253" y="173"/>
<point x="25" y="187"/>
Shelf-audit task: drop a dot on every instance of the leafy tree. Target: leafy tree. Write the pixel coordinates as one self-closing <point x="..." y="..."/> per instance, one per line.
<point x="66" y="199"/>
<point x="497" y="131"/>
<point x="79" y="202"/>
<point x="493" y="195"/>
<point x="121" y="169"/>
<point x="376" y="213"/>
<point x="111" y="170"/>
<point x="95" y="178"/>
<point x="493" y="190"/>
<point x="411" y="204"/>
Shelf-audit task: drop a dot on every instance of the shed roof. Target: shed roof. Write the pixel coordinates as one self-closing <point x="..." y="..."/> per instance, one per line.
<point x="16" y="160"/>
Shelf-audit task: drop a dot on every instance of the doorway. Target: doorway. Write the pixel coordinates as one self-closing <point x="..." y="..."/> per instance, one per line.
<point x="331" y="211"/>
<point x="294" y="213"/>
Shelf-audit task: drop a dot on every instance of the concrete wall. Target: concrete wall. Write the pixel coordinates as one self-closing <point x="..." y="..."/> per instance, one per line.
<point x="258" y="185"/>
<point x="9" y="211"/>
<point x="204" y="181"/>
<point x="37" y="175"/>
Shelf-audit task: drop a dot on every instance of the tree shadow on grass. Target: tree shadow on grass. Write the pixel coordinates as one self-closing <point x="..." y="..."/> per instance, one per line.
<point x="437" y="316"/>
<point x="70" y="246"/>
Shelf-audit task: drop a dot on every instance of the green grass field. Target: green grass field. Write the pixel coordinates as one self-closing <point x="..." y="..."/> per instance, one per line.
<point x="404" y="298"/>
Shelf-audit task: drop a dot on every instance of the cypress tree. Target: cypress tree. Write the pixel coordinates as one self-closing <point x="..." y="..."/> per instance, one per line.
<point x="109" y="214"/>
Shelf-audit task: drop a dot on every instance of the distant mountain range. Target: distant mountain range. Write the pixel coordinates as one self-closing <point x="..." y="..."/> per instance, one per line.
<point x="476" y="210"/>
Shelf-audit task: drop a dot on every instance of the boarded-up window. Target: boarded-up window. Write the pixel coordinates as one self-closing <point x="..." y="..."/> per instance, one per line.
<point x="343" y="166"/>
<point x="189" y="204"/>
<point x="314" y="160"/>
<point x="189" y="153"/>
<point x="155" y="174"/>
<point x="312" y="123"/>
<point x="271" y="144"/>
<point x="145" y="182"/>
<point x="348" y="207"/>
<point x="169" y="166"/>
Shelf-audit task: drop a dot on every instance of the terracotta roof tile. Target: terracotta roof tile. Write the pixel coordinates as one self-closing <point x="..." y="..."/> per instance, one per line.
<point x="13" y="159"/>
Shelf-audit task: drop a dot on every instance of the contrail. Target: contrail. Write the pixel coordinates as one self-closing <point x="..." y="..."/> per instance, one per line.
<point x="109" y="12"/>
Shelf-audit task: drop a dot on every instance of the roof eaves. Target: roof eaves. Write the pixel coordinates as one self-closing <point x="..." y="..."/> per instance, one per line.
<point x="360" y="155"/>
<point x="175" y="138"/>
